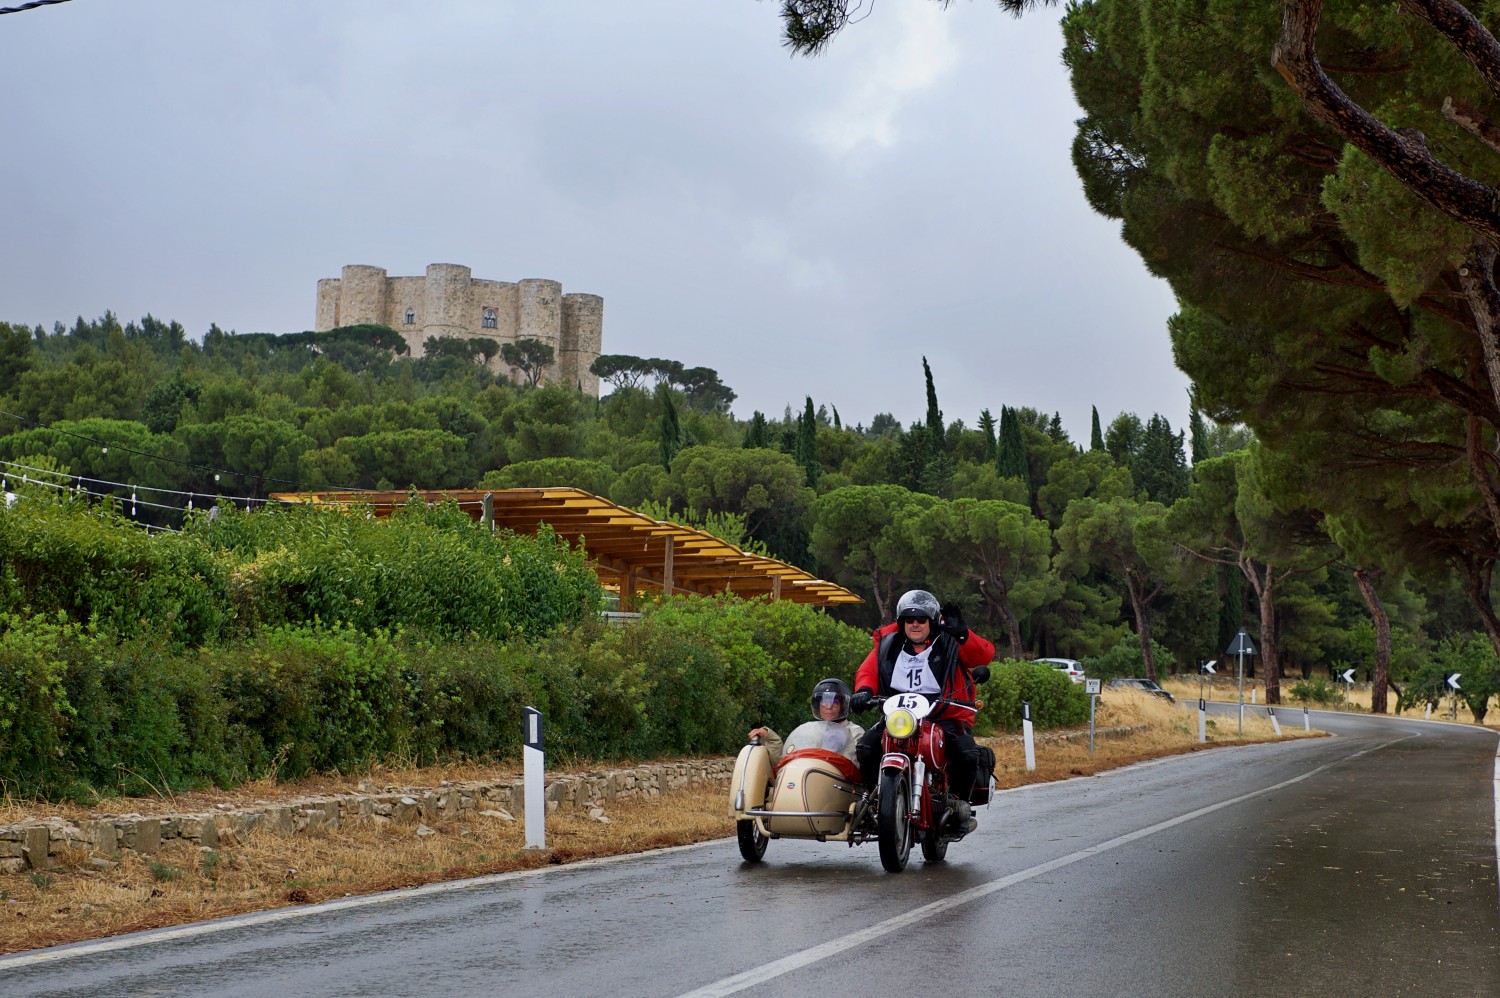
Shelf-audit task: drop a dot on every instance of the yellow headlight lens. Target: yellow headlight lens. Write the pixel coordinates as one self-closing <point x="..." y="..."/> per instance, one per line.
<point x="901" y="723"/>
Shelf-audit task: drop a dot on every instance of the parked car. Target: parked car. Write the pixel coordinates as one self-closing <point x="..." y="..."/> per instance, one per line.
<point x="1071" y="666"/>
<point x="1143" y="684"/>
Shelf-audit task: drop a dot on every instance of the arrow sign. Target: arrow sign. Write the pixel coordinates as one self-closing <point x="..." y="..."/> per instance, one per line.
<point x="1207" y="668"/>
<point x="1241" y="645"/>
<point x="1347" y="676"/>
<point x="1452" y="681"/>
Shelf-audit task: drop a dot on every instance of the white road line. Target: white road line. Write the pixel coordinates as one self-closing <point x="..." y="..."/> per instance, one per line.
<point x="308" y="911"/>
<point x="796" y="961"/>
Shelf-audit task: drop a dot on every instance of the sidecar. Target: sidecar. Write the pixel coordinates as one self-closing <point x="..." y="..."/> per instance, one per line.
<point x="809" y="794"/>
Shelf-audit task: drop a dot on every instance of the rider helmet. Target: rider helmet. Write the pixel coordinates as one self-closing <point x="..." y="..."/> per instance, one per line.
<point x="834" y="691"/>
<point x="917" y="603"/>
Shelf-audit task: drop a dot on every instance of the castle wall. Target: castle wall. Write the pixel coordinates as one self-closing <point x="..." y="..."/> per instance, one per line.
<point x="362" y="296"/>
<point x="449" y="301"/>
<point x="328" y="303"/>
<point x="582" y="339"/>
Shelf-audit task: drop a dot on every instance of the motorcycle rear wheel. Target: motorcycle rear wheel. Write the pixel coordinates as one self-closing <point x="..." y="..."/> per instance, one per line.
<point x="934" y="845"/>
<point x="752" y="842"/>
<point x="894" y="823"/>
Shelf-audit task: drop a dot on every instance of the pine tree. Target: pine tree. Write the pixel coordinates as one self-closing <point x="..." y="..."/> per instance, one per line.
<point x="1096" y="435"/>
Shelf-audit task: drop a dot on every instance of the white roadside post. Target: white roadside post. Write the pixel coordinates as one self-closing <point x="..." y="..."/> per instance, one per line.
<point x="1271" y="711"/>
<point x="1091" y="687"/>
<point x="536" y="798"/>
<point x="1306" y="721"/>
<point x="1206" y="669"/>
<point x="1026" y="736"/>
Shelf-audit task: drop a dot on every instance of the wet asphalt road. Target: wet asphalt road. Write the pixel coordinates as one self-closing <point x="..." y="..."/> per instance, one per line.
<point x="1358" y="865"/>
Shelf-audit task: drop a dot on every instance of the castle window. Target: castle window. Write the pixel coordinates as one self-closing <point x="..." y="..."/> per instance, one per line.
<point x="489" y="318"/>
<point x="411" y="316"/>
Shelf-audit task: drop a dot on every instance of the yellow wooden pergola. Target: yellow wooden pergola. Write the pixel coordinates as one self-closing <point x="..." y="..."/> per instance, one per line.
<point x="632" y="552"/>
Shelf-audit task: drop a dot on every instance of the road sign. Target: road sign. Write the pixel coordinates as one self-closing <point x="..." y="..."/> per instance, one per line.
<point x="1452" y="681"/>
<point x="1347" y="676"/>
<point x="1207" y="668"/>
<point x="1241" y="645"/>
<point x="1091" y="686"/>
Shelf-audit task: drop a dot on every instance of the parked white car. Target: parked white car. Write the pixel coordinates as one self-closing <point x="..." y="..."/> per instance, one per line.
<point x="1071" y="666"/>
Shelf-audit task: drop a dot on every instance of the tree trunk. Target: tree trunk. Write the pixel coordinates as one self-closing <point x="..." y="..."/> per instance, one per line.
<point x="875" y="589"/>
<point x="1142" y="623"/>
<point x="1265" y="596"/>
<point x="1012" y="625"/>
<point x="1365" y="579"/>
<point x="1476" y="575"/>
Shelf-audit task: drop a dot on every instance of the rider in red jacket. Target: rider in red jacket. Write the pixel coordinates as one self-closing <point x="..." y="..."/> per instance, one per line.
<point x="926" y="650"/>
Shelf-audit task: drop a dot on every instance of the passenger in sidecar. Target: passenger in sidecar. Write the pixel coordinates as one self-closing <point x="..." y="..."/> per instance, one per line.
<point x="803" y="788"/>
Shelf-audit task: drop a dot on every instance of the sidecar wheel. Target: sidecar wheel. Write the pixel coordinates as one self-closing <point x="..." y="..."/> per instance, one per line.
<point x="895" y="821"/>
<point x="752" y="842"/>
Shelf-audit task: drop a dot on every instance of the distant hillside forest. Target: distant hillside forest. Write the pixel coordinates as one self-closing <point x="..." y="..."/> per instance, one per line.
<point x="1142" y="549"/>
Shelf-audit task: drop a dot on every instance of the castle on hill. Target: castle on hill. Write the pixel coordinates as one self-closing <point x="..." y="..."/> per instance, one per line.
<point x="449" y="301"/>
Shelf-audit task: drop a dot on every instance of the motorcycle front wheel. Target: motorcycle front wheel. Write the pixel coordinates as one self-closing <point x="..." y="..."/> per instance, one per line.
<point x="752" y="842"/>
<point x="894" y="825"/>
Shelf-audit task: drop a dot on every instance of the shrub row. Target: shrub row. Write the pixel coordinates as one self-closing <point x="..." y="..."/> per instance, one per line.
<point x="228" y="574"/>
<point x="85" y="713"/>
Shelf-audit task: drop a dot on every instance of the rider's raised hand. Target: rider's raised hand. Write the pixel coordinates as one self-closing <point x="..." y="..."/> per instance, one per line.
<point x="861" y="701"/>
<point x="952" y="621"/>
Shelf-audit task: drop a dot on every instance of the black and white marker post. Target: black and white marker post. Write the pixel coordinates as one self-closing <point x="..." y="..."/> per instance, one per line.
<point x="1091" y="687"/>
<point x="536" y="797"/>
<point x="1205" y="669"/>
<point x="1026" y="736"/>
<point x="1241" y="647"/>
<point x="1452" y="683"/>
<point x="1346" y="680"/>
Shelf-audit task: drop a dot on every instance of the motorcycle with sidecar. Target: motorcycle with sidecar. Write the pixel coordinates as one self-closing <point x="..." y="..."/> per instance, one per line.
<point x="817" y="794"/>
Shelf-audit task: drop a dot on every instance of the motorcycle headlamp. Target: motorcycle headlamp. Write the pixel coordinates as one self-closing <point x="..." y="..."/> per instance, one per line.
<point x="901" y="723"/>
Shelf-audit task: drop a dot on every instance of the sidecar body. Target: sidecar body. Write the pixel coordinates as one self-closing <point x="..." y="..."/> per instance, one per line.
<point x="809" y="794"/>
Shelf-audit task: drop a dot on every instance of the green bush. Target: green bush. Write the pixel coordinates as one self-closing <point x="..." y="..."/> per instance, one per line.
<point x="1314" y="690"/>
<point x="91" y="563"/>
<point x="1056" y="701"/>
<point x="1125" y="659"/>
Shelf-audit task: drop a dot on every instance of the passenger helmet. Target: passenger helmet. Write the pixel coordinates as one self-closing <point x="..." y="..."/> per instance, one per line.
<point x="834" y="690"/>
<point x="917" y="603"/>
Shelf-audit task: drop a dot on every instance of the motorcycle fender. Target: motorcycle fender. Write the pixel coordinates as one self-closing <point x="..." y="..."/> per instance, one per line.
<point x="895" y="760"/>
<point x="751" y="782"/>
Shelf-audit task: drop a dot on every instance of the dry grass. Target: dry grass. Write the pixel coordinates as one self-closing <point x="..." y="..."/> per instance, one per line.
<point x="1356" y="700"/>
<point x="76" y="900"/>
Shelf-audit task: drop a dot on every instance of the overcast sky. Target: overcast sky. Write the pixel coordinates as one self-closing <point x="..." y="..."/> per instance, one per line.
<point x="802" y="226"/>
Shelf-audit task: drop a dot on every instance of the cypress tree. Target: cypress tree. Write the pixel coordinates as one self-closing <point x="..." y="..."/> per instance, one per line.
<point x="1096" y="435"/>
<point x="671" y="429"/>
<point x="757" y="435"/>
<point x="935" y="432"/>
<point x="1011" y="459"/>
<point x="1198" y="435"/>
<point x="806" y="451"/>
<point x="987" y="427"/>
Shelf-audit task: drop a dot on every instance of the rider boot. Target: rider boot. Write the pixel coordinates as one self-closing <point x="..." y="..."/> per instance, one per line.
<point x="963" y="816"/>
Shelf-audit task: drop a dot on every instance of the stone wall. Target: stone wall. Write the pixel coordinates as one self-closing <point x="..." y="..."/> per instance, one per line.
<point x="36" y="844"/>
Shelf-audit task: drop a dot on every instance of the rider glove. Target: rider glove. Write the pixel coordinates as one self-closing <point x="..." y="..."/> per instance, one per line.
<point x="860" y="701"/>
<point x="952" y="621"/>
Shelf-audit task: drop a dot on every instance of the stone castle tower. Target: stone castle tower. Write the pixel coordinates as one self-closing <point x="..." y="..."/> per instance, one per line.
<point x="448" y="301"/>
